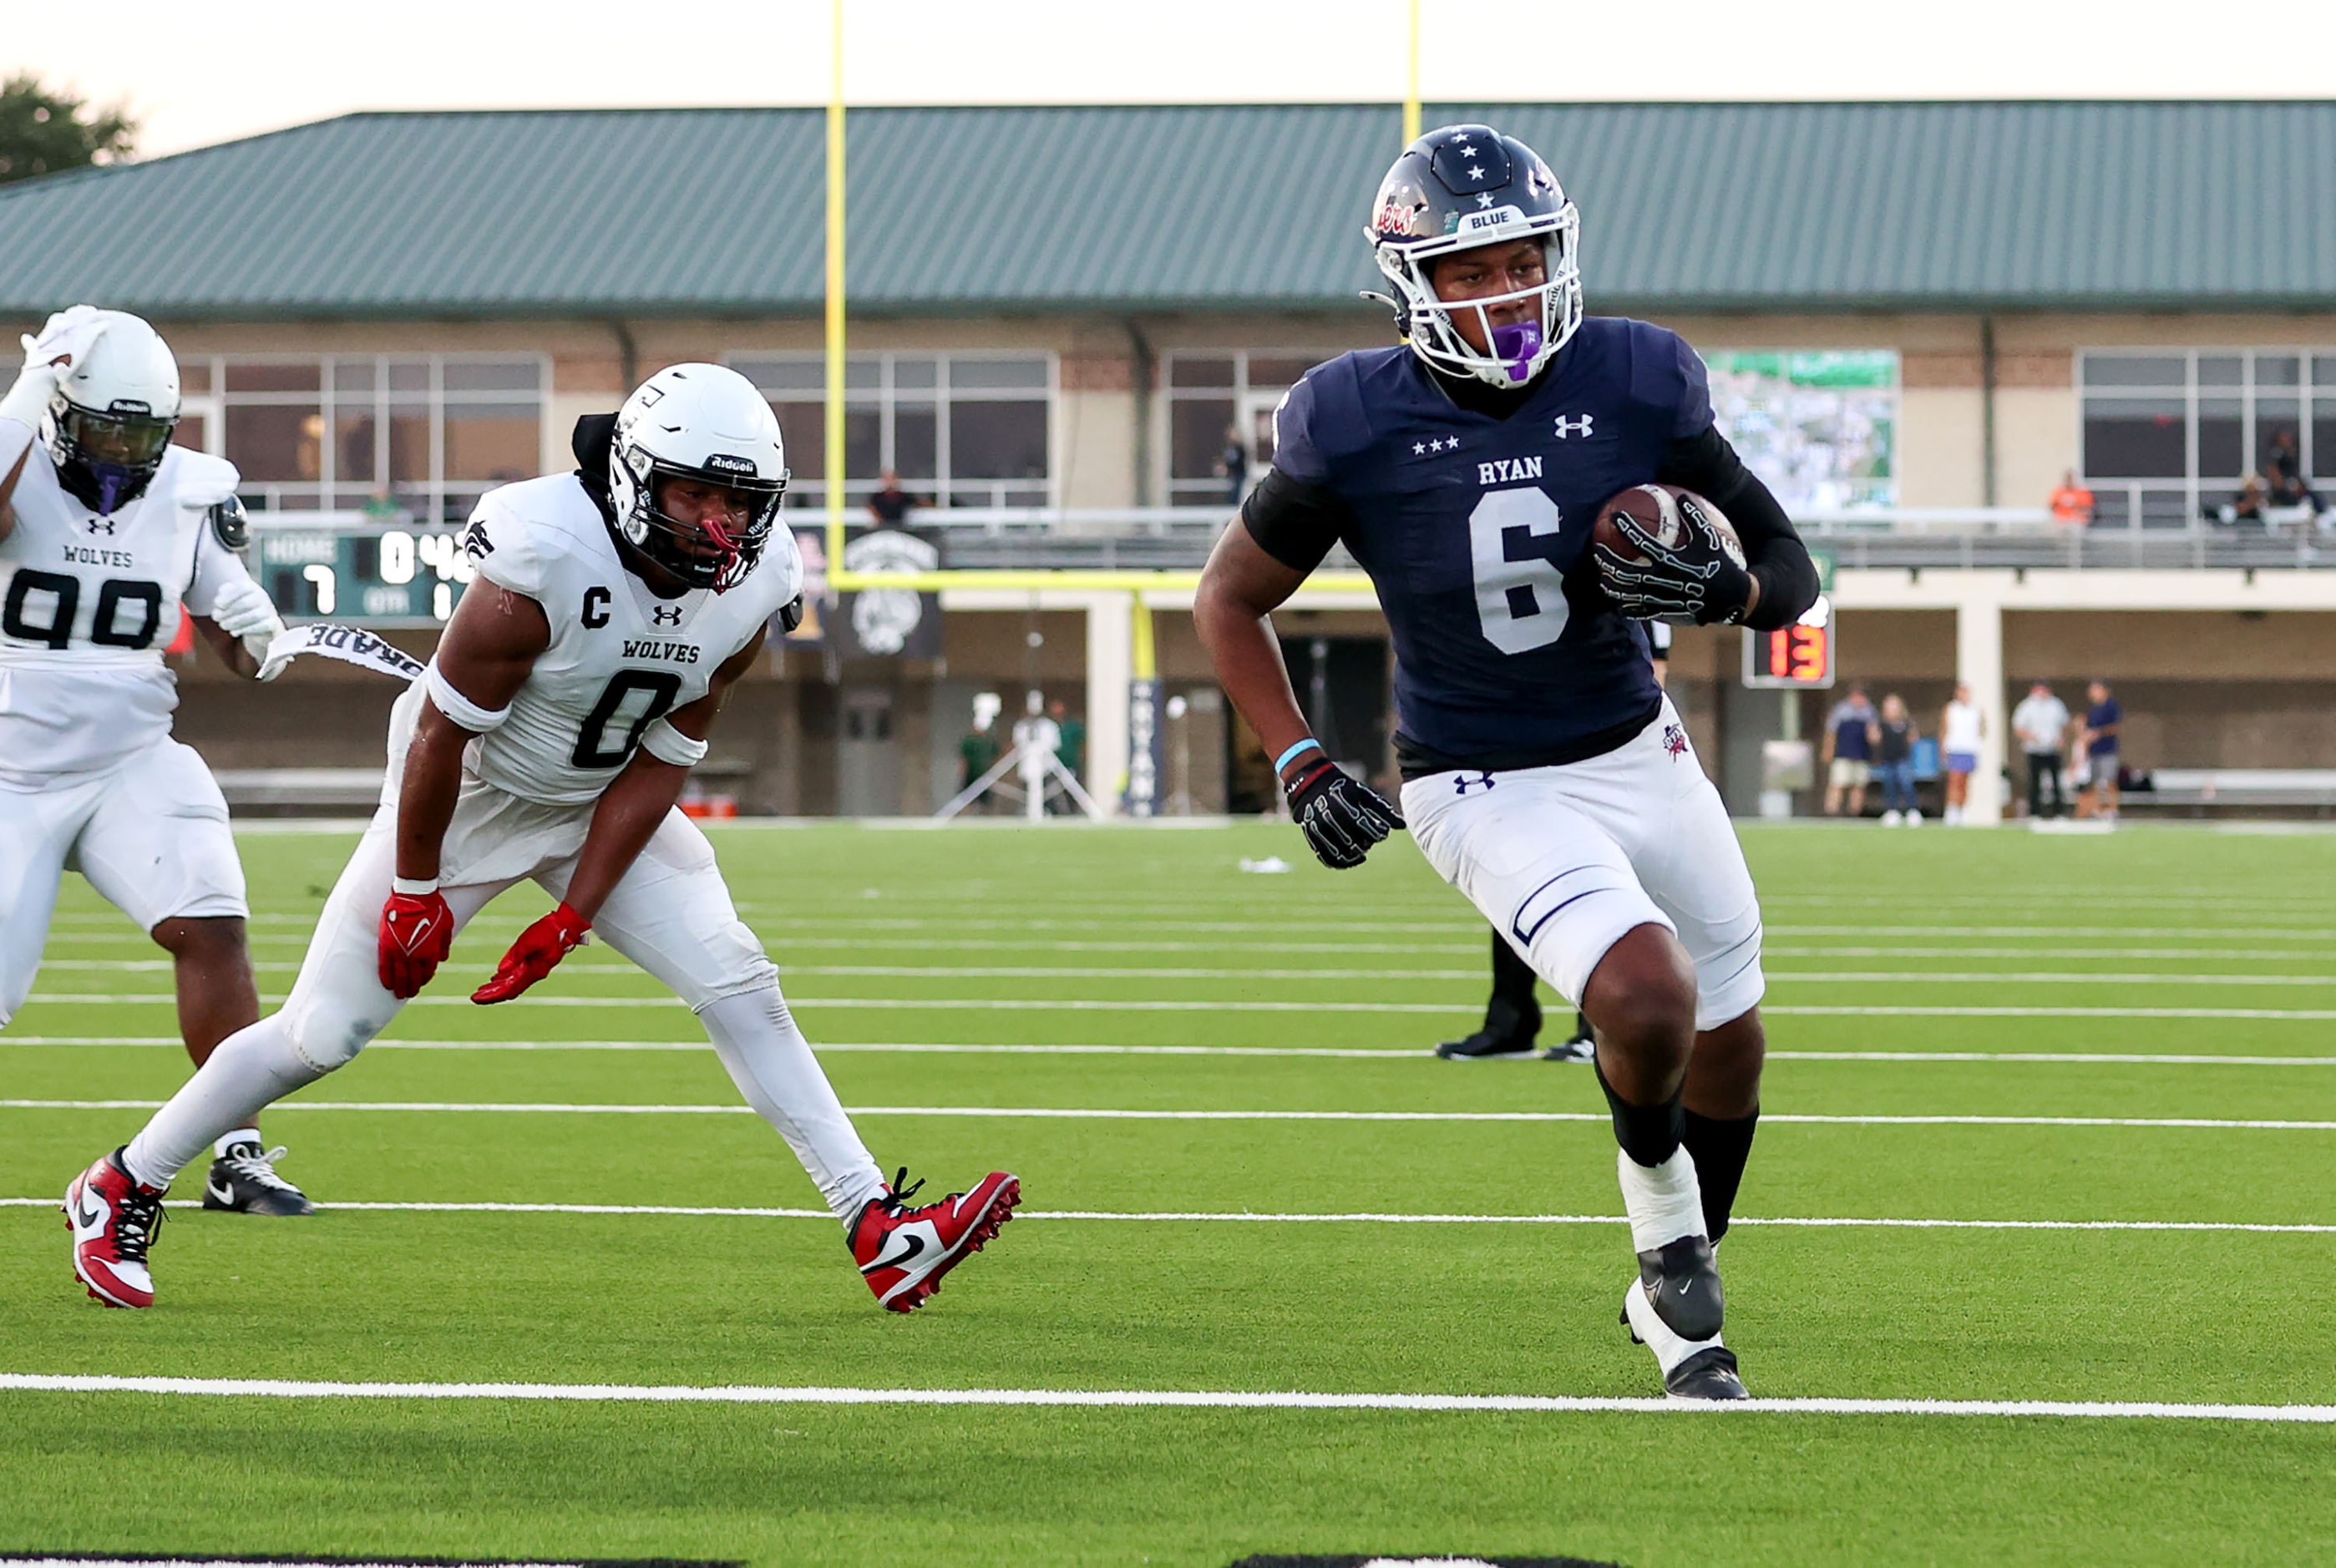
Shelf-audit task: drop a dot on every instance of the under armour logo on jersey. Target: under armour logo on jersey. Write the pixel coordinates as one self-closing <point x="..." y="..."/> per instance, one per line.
<point x="1573" y="427"/>
<point x="663" y="615"/>
<point x="1463" y="784"/>
<point x="102" y="526"/>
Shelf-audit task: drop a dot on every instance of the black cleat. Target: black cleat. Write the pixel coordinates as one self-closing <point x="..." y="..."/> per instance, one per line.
<point x="1681" y="1282"/>
<point x="1705" y="1375"/>
<point x="244" y="1181"/>
<point x="1582" y="1047"/>
<point x="1509" y="1031"/>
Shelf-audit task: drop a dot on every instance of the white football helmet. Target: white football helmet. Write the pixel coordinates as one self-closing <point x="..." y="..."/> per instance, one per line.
<point x="1456" y="188"/>
<point x="707" y="424"/>
<point x="109" y="420"/>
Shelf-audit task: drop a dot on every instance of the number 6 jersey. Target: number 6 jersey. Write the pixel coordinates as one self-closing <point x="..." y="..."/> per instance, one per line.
<point x="620" y="658"/>
<point x="89" y="603"/>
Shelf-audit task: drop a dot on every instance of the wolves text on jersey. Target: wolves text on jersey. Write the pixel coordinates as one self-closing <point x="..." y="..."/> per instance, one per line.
<point x="648" y="648"/>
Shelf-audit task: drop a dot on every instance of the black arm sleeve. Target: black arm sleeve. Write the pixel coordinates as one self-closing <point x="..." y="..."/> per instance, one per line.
<point x="1706" y="464"/>
<point x="1294" y="522"/>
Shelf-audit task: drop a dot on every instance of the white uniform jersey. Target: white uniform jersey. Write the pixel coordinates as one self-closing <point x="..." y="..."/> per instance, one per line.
<point x="87" y="605"/>
<point x="620" y="658"/>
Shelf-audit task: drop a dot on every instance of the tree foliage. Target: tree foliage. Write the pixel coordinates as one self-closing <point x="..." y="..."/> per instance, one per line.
<point x="43" y="130"/>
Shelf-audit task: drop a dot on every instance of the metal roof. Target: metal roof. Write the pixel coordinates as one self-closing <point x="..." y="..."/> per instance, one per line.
<point x="1789" y="207"/>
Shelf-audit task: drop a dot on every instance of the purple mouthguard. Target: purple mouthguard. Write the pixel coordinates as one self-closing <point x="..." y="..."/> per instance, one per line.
<point x="1516" y="346"/>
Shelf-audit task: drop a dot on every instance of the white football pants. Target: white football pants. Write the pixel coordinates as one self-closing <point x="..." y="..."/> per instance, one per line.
<point x="149" y="833"/>
<point x="1564" y="861"/>
<point x="671" y="914"/>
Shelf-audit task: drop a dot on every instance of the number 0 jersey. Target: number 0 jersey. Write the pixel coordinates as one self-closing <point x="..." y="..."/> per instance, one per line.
<point x="89" y="603"/>
<point x="620" y="658"/>
<point x="1475" y="531"/>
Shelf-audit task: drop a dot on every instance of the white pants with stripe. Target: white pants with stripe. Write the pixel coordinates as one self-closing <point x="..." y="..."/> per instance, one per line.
<point x="1564" y="860"/>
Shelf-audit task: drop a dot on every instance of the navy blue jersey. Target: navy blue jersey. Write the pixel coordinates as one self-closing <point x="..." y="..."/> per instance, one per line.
<point x="1475" y="531"/>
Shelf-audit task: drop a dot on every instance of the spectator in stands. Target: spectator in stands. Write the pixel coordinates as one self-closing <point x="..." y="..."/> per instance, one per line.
<point x="2246" y="507"/>
<point x="2284" y="472"/>
<point x="1961" y="728"/>
<point x="1851" y="733"/>
<point x="890" y="505"/>
<point x="2073" y="503"/>
<point x="2104" y="722"/>
<point x="1893" y="762"/>
<point x="2041" y="724"/>
<point x="1233" y="466"/>
<point x="977" y="755"/>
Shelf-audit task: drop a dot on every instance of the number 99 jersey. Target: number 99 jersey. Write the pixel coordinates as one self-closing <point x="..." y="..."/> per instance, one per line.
<point x="620" y="658"/>
<point x="88" y="603"/>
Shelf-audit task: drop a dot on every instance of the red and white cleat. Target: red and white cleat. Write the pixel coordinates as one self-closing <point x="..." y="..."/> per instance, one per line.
<point x="113" y="1220"/>
<point x="903" y="1252"/>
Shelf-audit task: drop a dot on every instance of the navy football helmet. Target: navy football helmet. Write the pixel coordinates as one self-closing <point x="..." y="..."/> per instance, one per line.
<point x="1458" y="187"/>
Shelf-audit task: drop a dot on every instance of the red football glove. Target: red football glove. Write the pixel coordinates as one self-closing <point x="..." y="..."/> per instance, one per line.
<point x="538" y="950"/>
<point x="417" y="933"/>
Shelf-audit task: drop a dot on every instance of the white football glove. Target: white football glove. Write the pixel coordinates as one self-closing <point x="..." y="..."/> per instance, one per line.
<point x="63" y="341"/>
<point x="242" y="609"/>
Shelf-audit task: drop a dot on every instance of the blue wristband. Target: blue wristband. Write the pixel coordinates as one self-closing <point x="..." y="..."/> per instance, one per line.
<point x="1309" y="743"/>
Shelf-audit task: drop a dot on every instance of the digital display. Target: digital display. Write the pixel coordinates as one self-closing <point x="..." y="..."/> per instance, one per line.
<point x="362" y="575"/>
<point x="1800" y="654"/>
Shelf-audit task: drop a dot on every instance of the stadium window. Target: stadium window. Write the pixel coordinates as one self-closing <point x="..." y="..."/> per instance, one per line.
<point x="2170" y="434"/>
<point x="1208" y="392"/>
<point x="967" y="429"/>
<point x="431" y="432"/>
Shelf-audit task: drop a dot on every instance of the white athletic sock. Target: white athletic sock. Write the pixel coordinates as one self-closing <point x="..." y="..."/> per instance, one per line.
<point x="252" y="1068"/>
<point x="774" y="1067"/>
<point x="233" y="1135"/>
<point x="1664" y="1201"/>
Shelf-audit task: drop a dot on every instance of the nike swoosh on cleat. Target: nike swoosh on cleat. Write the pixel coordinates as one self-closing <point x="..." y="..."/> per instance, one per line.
<point x="90" y="1214"/>
<point x="914" y="1243"/>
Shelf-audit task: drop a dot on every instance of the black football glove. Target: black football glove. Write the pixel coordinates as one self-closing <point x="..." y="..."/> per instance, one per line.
<point x="1693" y="583"/>
<point x="1341" y="816"/>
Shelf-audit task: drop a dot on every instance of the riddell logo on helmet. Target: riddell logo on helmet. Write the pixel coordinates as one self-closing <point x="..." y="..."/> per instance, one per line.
<point x="129" y="406"/>
<point x="724" y="463"/>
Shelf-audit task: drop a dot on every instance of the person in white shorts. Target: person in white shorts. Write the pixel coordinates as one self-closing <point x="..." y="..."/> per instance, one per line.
<point x="108" y="535"/>
<point x="1545" y="775"/>
<point x="548" y="740"/>
<point x="1962" y="728"/>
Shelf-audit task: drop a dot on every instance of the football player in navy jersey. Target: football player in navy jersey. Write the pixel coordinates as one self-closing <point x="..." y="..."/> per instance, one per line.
<point x="1544" y="774"/>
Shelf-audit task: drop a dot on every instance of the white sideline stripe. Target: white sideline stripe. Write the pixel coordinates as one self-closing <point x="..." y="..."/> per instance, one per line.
<point x="1390" y="1053"/>
<point x="1177" y="1216"/>
<point x="1063" y="1113"/>
<point x="675" y="1394"/>
<point x="1472" y="976"/>
<point x="1440" y="1009"/>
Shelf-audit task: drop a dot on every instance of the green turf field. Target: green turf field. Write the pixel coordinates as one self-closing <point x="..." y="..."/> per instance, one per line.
<point x="2171" y="991"/>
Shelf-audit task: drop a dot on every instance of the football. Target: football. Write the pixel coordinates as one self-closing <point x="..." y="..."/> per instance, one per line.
<point x="1656" y="509"/>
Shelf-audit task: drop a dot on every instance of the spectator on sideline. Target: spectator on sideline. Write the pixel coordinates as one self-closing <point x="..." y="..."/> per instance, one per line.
<point x="1071" y="747"/>
<point x="889" y="506"/>
<point x="2283" y="471"/>
<point x="1851" y="732"/>
<point x="2104" y="722"/>
<point x="2073" y="503"/>
<point x="1893" y="762"/>
<point x="977" y="755"/>
<point x="1962" y="727"/>
<point x="1233" y="465"/>
<point x="2041" y="723"/>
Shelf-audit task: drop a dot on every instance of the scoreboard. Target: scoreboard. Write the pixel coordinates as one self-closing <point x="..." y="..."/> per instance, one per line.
<point x="1798" y="655"/>
<point x="342" y="566"/>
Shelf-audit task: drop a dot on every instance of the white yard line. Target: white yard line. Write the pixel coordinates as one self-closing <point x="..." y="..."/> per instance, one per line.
<point x="1393" y="1053"/>
<point x="1089" y="1113"/>
<point x="685" y="1394"/>
<point x="1177" y="1216"/>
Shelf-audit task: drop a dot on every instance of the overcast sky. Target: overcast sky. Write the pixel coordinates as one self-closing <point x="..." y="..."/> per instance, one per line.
<point x="200" y="74"/>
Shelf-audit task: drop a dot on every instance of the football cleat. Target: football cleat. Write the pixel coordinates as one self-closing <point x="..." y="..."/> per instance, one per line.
<point x="1509" y="1031"/>
<point x="243" y="1180"/>
<point x="1680" y="1281"/>
<point x="1582" y="1047"/>
<point x="113" y="1220"/>
<point x="903" y="1252"/>
<point x="1692" y="1368"/>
